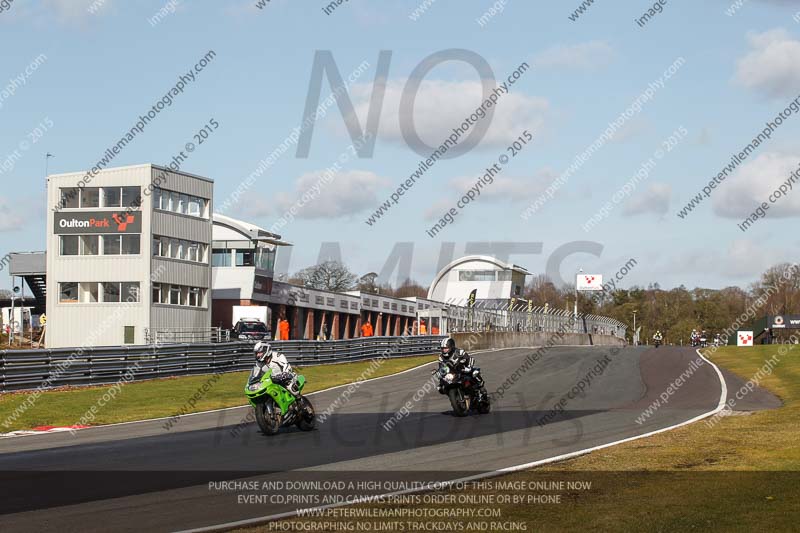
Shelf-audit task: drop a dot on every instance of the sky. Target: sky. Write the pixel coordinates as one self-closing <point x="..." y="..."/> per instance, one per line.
<point x="86" y="70"/>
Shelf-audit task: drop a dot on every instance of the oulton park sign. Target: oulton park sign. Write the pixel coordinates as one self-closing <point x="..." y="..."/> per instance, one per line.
<point x="97" y="222"/>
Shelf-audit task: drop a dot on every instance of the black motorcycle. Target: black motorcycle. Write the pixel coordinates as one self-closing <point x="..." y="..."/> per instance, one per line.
<point x="463" y="389"/>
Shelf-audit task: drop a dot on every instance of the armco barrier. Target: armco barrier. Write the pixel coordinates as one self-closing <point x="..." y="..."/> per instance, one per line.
<point x="499" y="339"/>
<point x="30" y="369"/>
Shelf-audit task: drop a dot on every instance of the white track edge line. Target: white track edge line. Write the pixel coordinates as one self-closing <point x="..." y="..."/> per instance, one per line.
<point x="507" y="470"/>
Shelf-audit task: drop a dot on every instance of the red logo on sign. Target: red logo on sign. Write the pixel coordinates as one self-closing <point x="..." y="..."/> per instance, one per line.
<point x="589" y="279"/>
<point x="745" y="338"/>
<point x="122" y="225"/>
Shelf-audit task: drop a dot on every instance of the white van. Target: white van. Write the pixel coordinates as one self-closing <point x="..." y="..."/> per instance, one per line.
<point x="21" y="317"/>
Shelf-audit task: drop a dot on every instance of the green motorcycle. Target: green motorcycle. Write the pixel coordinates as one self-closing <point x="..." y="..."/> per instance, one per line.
<point x="275" y="406"/>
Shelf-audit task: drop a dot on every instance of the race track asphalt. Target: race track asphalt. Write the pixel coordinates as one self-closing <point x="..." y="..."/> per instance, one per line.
<point x="140" y="475"/>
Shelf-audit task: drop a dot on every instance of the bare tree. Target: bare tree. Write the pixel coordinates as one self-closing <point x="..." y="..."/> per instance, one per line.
<point x="367" y="282"/>
<point x="329" y="276"/>
<point x="410" y="288"/>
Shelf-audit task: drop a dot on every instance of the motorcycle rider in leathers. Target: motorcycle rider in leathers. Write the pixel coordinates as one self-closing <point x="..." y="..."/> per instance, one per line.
<point x="460" y="361"/>
<point x="282" y="373"/>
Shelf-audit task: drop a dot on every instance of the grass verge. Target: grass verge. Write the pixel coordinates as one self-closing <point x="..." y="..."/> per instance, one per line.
<point x="166" y="397"/>
<point x="740" y="474"/>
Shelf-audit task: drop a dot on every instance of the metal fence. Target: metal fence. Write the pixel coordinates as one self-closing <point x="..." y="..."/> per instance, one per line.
<point x="187" y="335"/>
<point x="537" y="319"/>
<point x="29" y="369"/>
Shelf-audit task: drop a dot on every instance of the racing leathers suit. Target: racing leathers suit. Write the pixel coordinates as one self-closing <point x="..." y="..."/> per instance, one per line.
<point x="461" y="363"/>
<point x="282" y="373"/>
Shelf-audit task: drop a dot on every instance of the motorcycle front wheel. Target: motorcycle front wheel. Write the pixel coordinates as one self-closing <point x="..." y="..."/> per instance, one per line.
<point x="457" y="401"/>
<point x="484" y="405"/>
<point x="268" y="416"/>
<point x="306" y="419"/>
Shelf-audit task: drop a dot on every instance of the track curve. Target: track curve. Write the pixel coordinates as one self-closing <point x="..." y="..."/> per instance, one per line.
<point x="139" y="475"/>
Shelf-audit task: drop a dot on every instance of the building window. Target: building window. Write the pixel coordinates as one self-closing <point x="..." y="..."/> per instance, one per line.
<point x="131" y="244"/>
<point x="131" y="197"/>
<point x="111" y="244"/>
<point x="68" y="292"/>
<point x="111" y="291"/>
<point x="504" y="275"/>
<point x="90" y="244"/>
<point x="194" y="207"/>
<point x="70" y="197"/>
<point x="178" y="295"/>
<point x="176" y="249"/>
<point x="175" y="295"/>
<point x="245" y="258"/>
<point x="194" y="297"/>
<point x="476" y="275"/>
<point x="265" y="258"/>
<point x="112" y="197"/>
<point x="90" y="197"/>
<point x="130" y="291"/>
<point x="193" y="252"/>
<point x="70" y="244"/>
<point x="176" y="202"/>
<point x="179" y="249"/>
<point x="89" y="292"/>
<point x="221" y="258"/>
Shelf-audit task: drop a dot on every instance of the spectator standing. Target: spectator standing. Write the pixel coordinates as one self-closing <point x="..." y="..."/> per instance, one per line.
<point x="366" y="329"/>
<point x="283" y="329"/>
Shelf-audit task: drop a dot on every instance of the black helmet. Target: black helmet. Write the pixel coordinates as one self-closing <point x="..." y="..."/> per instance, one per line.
<point x="448" y="346"/>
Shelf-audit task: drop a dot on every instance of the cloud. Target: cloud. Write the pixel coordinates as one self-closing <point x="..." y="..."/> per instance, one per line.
<point x="68" y="12"/>
<point x="440" y="106"/>
<point x="770" y="68"/>
<point x="71" y="10"/>
<point x="753" y="184"/>
<point x="589" y="55"/>
<point x="315" y="197"/>
<point x="654" y="200"/>
<point x="507" y="189"/>
<point x="437" y="209"/>
<point x="11" y="216"/>
<point x="502" y="189"/>
<point x="741" y="259"/>
<point x="635" y="128"/>
<point x="704" y="138"/>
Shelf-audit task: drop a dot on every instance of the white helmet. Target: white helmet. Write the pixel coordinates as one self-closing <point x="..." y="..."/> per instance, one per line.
<point x="263" y="351"/>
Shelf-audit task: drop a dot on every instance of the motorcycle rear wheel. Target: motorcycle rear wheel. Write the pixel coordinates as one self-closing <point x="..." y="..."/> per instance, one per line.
<point x="457" y="401"/>
<point x="268" y="417"/>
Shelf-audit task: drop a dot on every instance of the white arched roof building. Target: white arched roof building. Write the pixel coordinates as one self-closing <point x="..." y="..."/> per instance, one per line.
<point x="493" y="279"/>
